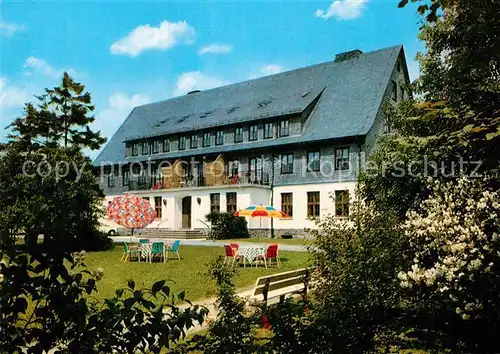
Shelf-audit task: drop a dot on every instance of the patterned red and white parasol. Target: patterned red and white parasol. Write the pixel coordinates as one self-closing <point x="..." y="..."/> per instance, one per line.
<point x="131" y="211"/>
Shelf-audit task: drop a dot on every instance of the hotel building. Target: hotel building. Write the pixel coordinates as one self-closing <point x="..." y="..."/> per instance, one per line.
<point x="295" y="140"/>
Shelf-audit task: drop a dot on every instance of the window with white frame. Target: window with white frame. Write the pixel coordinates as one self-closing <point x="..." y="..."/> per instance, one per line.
<point x="253" y="133"/>
<point x="284" y="128"/>
<point x="238" y="135"/>
<point x="206" y="139"/>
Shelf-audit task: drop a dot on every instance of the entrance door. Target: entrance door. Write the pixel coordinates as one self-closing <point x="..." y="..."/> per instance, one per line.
<point x="186" y="212"/>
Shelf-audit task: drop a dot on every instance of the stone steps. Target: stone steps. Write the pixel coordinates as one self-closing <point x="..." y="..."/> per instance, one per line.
<point x="181" y="234"/>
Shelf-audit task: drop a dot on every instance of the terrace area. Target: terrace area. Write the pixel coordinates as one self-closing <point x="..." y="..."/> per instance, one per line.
<point x="174" y="182"/>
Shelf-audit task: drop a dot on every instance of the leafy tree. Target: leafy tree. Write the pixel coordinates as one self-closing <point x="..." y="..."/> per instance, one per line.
<point x="47" y="185"/>
<point x="462" y="39"/>
<point x="456" y="115"/>
<point x="51" y="192"/>
<point x="44" y="306"/>
<point x="454" y="120"/>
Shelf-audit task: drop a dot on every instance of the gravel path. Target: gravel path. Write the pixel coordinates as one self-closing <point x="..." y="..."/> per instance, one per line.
<point x="209" y="243"/>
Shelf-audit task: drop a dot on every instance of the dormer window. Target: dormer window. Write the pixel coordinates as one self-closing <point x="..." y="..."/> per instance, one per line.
<point x="238" y="135"/>
<point x="156" y="146"/>
<point x="219" y="137"/>
<point x="194" y="141"/>
<point x="253" y="133"/>
<point x="182" y="143"/>
<point x="166" y="145"/>
<point x="145" y="148"/>
<point x="135" y="149"/>
<point x="206" y="139"/>
<point x="284" y="128"/>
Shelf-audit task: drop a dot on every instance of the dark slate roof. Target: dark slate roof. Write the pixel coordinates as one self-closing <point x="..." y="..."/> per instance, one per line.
<point x="351" y="95"/>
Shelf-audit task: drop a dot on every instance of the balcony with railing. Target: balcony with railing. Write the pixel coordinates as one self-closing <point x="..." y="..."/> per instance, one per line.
<point x="172" y="182"/>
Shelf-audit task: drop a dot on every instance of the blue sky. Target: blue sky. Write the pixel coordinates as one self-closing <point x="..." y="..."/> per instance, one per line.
<point x="132" y="53"/>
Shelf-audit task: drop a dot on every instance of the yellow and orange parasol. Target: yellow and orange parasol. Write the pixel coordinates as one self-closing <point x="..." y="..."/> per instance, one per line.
<point x="261" y="210"/>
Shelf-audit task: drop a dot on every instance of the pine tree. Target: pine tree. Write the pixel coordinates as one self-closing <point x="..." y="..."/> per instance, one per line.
<point x="62" y="118"/>
<point x="72" y="106"/>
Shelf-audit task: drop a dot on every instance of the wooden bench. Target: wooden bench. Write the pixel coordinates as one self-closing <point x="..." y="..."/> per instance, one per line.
<point x="282" y="284"/>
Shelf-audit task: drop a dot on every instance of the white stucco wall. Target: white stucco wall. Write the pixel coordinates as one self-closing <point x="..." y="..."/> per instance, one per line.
<point x="172" y="211"/>
<point x="326" y="199"/>
<point x="246" y="195"/>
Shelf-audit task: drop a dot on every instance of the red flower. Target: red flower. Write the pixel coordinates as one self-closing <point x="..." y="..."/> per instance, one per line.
<point x="265" y="320"/>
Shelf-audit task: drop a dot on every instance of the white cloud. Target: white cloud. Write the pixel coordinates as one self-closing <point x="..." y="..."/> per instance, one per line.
<point x="266" y="70"/>
<point x="145" y="37"/>
<point x="8" y="29"/>
<point x="43" y="67"/>
<point x="271" y="69"/>
<point x="12" y="99"/>
<point x="196" y="80"/>
<point x="119" y="106"/>
<point x="343" y="9"/>
<point x="216" y="49"/>
<point x="11" y="96"/>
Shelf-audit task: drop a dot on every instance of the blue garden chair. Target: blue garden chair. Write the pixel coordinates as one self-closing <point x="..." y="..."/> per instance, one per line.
<point x="174" y="248"/>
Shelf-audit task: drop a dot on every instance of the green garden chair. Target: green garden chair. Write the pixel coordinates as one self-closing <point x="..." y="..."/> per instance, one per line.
<point x="144" y="240"/>
<point x="174" y="248"/>
<point x="158" y="249"/>
<point x="129" y="252"/>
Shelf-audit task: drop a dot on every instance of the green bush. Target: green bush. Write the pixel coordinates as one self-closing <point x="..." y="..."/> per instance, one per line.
<point x="48" y="304"/>
<point x="96" y="241"/>
<point x="227" y="226"/>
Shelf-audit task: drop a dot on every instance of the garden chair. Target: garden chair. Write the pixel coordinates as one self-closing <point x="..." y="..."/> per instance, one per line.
<point x="234" y="246"/>
<point x="231" y="254"/>
<point x="271" y="253"/>
<point x="174" y="248"/>
<point x="129" y="252"/>
<point x="158" y="249"/>
<point x="144" y="240"/>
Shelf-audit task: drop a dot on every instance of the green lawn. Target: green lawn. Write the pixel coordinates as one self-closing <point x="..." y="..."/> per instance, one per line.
<point x="186" y="274"/>
<point x="283" y="241"/>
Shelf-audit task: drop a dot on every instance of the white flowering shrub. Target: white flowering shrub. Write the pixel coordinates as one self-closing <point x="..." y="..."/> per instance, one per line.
<point x="455" y="248"/>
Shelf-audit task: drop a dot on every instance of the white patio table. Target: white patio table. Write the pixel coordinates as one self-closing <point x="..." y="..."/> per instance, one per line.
<point x="145" y="250"/>
<point x="250" y="253"/>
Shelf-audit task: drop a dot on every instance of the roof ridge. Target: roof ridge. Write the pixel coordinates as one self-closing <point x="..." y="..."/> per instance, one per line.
<point x="283" y="73"/>
<point x="346" y="108"/>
